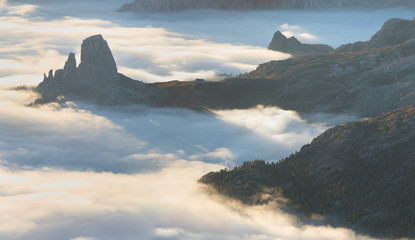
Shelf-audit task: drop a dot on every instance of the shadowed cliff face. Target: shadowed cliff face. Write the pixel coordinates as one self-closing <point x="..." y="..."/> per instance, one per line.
<point x="96" y="56"/>
<point x="97" y="66"/>
<point x="179" y="5"/>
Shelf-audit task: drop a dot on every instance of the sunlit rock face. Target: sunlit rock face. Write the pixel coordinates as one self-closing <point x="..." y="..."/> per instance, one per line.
<point x="179" y="5"/>
<point x="296" y="48"/>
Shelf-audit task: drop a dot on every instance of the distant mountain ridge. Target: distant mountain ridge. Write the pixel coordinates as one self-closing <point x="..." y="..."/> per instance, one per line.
<point x="180" y="5"/>
<point x="393" y="32"/>
<point x="362" y="82"/>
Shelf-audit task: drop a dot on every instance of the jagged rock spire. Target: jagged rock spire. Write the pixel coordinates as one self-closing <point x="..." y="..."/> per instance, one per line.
<point x="70" y="64"/>
<point x="95" y="54"/>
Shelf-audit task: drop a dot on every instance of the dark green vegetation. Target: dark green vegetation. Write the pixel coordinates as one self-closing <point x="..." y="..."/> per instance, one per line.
<point x="362" y="173"/>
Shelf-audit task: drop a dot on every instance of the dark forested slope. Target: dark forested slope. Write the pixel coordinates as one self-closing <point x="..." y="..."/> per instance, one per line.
<point x="362" y="173"/>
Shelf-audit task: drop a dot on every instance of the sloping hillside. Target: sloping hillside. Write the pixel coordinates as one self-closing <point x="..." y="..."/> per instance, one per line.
<point x="361" y="173"/>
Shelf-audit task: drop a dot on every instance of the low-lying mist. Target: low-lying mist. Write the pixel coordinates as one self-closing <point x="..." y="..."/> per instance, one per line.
<point x="57" y="204"/>
<point x="84" y="172"/>
<point x="77" y="171"/>
<point x="140" y="139"/>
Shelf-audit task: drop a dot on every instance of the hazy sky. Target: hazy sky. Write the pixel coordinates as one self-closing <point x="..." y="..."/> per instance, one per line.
<point x="83" y="172"/>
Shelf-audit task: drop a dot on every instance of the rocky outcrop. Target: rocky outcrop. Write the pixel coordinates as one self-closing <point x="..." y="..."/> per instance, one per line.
<point x="395" y="31"/>
<point x="180" y="5"/>
<point x="296" y="48"/>
<point x="95" y="79"/>
<point x="96" y="56"/>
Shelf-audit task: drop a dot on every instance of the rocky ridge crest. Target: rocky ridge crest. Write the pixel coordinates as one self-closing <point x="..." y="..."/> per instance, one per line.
<point x="393" y="32"/>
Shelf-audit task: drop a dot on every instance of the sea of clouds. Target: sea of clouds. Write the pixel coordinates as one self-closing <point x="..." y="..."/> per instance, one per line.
<point x="85" y="172"/>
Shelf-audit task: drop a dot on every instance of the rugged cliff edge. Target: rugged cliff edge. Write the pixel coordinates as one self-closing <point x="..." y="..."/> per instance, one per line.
<point x="294" y="47"/>
<point x="180" y="5"/>
<point x="360" y="173"/>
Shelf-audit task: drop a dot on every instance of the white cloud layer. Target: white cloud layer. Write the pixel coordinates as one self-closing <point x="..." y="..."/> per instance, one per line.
<point x="83" y="172"/>
<point x="297" y="31"/>
<point x="56" y="204"/>
<point x="155" y="47"/>
<point x="137" y="138"/>
<point x="284" y="127"/>
<point x="53" y="187"/>
<point x="143" y="53"/>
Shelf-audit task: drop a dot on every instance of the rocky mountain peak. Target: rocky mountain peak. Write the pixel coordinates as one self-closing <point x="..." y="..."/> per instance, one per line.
<point x="95" y="54"/>
<point x="70" y="64"/>
<point x="279" y="36"/>
<point x="95" y="79"/>
<point x="294" y="47"/>
<point x="96" y="70"/>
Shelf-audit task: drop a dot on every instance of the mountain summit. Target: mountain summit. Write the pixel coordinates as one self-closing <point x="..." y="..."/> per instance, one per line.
<point x="97" y="56"/>
<point x="296" y="48"/>
<point x="96" y="78"/>
<point x="97" y="66"/>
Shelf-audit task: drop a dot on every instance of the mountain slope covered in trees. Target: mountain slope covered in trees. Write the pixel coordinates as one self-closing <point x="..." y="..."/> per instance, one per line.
<point x="361" y="173"/>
